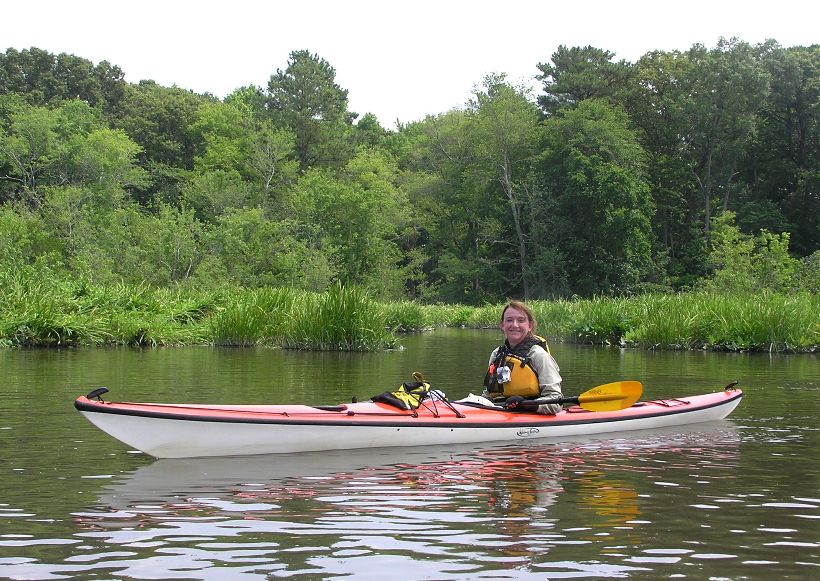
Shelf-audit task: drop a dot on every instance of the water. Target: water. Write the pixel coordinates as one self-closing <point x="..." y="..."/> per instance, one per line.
<point x="737" y="499"/>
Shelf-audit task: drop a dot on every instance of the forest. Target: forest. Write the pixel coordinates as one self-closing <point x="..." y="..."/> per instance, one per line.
<point x="684" y="172"/>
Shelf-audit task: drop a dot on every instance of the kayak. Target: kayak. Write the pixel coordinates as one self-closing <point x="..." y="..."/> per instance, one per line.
<point x="166" y="430"/>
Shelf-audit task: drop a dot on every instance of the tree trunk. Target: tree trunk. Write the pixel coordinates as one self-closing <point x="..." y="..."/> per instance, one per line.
<point x="707" y="195"/>
<point x="507" y="186"/>
<point x="728" y="187"/>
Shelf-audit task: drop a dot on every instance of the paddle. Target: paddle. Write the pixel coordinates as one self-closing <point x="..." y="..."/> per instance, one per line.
<point x="608" y="397"/>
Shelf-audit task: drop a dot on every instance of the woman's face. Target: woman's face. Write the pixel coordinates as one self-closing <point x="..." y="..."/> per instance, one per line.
<point x="515" y="325"/>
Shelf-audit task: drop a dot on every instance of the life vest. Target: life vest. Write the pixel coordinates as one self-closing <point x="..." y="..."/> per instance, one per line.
<point x="408" y="396"/>
<point x="522" y="378"/>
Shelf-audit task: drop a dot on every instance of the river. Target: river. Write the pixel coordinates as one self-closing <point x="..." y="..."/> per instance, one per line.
<point x="736" y="499"/>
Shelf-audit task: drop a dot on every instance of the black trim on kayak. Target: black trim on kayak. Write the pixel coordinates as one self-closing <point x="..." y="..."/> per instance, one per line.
<point x="683" y="408"/>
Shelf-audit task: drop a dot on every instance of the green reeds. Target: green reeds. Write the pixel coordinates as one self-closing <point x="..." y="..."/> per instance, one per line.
<point x="762" y="322"/>
<point x="253" y="317"/>
<point x="340" y="319"/>
<point x="407" y="316"/>
<point x="39" y="308"/>
<point x="36" y="311"/>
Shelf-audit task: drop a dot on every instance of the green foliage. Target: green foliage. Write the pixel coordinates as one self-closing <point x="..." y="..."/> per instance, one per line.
<point x="359" y="216"/>
<point x="807" y="278"/>
<point x="158" y="119"/>
<point x="628" y="179"/>
<point x="742" y="263"/>
<point x="504" y="132"/>
<point x="603" y="211"/>
<point x="212" y="193"/>
<point x="24" y="237"/>
<point x="577" y="74"/>
<point x="255" y="250"/>
<point x="305" y="99"/>
<point x="44" y="78"/>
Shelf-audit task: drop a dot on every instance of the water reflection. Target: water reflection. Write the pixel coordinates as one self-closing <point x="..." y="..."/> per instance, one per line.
<point x="466" y="512"/>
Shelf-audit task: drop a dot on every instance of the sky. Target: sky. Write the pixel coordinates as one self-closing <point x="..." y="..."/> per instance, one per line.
<point x="400" y="60"/>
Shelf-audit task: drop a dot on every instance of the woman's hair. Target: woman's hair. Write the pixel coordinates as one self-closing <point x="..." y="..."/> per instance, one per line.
<point x="518" y="305"/>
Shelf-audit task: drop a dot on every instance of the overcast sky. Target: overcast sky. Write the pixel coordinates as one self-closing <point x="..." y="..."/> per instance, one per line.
<point x="397" y="59"/>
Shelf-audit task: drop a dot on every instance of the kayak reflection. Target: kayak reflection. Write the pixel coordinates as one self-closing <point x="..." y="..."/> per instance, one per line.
<point x="514" y="478"/>
<point x="473" y="507"/>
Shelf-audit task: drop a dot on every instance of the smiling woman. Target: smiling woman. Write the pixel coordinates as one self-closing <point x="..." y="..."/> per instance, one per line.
<point x="522" y="369"/>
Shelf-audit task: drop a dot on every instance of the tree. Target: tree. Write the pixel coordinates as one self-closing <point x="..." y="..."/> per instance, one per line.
<point x="783" y="155"/>
<point x="68" y="145"/>
<point x="104" y="160"/>
<point x="462" y="227"/>
<point x="359" y="218"/>
<point x="223" y="136"/>
<point x="255" y="250"/>
<point x="749" y="264"/>
<point x="159" y="119"/>
<point x="577" y="74"/>
<point x="47" y="79"/>
<point x="24" y="237"/>
<point x="29" y="148"/>
<point x="697" y="112"/>
<point x="272" y="160"/>
<point x="655" y="106"/>
<point x="728" y="86"/>
<point x="594" y="169"/>
<point x="369" y="132"/>
<point x="504" y="133"/>
<point x="211" y="193"/>
<point x="306" y="99"/>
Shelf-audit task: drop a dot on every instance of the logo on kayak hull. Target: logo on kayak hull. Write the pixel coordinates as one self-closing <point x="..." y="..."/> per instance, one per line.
<point x="526" y="432"/>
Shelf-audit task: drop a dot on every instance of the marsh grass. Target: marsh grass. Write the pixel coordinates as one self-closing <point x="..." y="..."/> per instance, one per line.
<point x="407" y="316"/>
<point x="761" y="322"/>
<point x="769" y="323"/>
<point x="341" y="319"/>
<point x="665" y="322"/>
<point x="39" y="309"/>
<point x="250" y="317"/>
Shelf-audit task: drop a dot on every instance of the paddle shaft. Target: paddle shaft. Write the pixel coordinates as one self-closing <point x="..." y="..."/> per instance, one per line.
<point x="577" y="399"/>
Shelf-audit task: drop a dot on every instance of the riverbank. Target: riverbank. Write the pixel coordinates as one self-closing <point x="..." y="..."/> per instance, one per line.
<point x="39" y="312"/>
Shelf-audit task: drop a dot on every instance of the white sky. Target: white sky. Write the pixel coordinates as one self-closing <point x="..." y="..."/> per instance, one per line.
<point x="398" y="60"/>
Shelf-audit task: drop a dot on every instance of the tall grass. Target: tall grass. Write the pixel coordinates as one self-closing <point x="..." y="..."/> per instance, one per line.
<point x="252" y="317"/>
<point x="39" y="309"/>
<point x="762" y="322"/>
<point x="340" y="320"/>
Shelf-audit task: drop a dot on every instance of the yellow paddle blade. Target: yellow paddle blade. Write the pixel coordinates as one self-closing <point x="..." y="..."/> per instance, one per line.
<point x="611" y="397"/>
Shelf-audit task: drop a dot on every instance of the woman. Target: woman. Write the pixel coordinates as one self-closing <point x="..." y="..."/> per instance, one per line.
<point x="522" y="368"/>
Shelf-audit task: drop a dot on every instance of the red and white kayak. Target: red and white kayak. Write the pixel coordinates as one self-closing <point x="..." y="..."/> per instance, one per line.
<point x="196" y="430"/>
